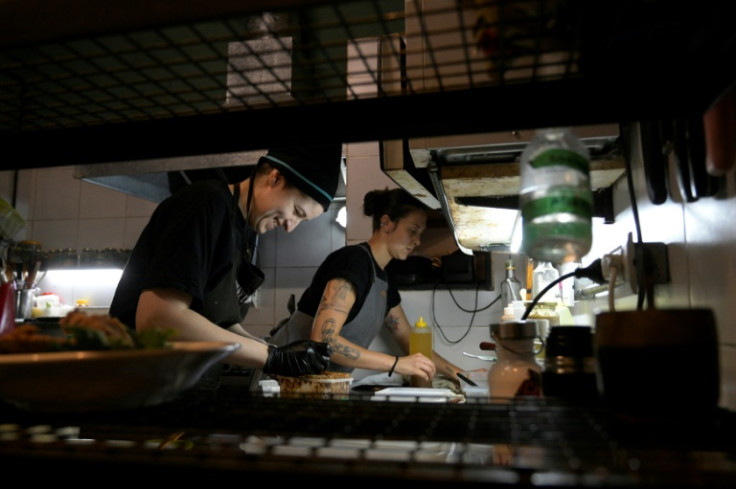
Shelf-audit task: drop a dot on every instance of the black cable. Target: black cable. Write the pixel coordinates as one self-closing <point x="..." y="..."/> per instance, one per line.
<point x="473" y="311"/>
<point x="635" y="213"/>
<point x="593" y="271"/>
<point x="477" y="286"/>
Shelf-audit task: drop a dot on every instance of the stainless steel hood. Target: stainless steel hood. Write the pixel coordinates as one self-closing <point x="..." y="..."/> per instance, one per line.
<point x="474" y="179"/>
<point x="154" y="179"/>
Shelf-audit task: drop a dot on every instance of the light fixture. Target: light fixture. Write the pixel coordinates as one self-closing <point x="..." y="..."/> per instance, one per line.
<point x="342" y="216"/>
<point x="516" y="235"/>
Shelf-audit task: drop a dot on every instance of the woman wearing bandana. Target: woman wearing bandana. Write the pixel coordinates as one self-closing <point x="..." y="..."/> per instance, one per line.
<point x="191" y="270"/>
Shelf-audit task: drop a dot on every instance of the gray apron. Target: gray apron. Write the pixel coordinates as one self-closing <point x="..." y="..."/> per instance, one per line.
<point x="362" y="330"/>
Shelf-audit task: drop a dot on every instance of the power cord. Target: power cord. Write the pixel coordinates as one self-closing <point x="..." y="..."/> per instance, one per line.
<point x="594" y="272"/>
<point x="623" y="129"/>
<point x="473" y="311"/>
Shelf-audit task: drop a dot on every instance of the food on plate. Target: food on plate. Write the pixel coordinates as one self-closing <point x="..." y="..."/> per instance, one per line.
<point x="27" y="338"/>
<point x="325" y="384"/>
<point x="82" y="332"/>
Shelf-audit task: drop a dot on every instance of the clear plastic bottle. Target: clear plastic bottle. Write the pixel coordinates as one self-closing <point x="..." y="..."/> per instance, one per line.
<point x="420" y="341"/>
<point x="510" y="287"/>
<point x="555" y="197"/>
<point x="543" y="275"/>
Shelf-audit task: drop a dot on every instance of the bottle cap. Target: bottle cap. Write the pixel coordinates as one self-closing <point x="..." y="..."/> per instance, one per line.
<point x="420" y="323"/>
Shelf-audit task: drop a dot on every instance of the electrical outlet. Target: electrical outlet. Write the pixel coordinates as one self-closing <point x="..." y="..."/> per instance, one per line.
<point x="637" y="262"/>
<point x="648" y="262"/>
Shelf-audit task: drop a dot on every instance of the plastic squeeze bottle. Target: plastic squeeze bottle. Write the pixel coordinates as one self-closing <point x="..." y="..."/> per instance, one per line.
<point x="420" y="341"/>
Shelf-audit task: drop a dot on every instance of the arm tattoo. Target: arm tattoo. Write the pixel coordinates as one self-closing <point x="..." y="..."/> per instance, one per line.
<point x="334" y="300"/>
<point x="391" y="322"/>
<point x="328" y="336"/>
<point x="335" y="295"/>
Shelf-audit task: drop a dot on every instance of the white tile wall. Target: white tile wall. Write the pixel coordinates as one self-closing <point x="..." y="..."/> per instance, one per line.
<point x="66" y="213"/>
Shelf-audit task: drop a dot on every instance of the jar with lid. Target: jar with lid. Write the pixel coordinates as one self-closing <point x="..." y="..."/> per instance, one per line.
<point x="569" y="364"/>
<point x="516" y="373"/>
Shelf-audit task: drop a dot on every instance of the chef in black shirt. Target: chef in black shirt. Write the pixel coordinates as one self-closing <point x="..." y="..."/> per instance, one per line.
<point x="191" y="269"/>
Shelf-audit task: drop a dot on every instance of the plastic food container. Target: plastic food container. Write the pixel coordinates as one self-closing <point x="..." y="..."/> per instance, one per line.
<point x="324" y="385"/>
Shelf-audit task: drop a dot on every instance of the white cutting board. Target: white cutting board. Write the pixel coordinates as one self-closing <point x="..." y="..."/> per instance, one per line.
<point x="414" y="394"/>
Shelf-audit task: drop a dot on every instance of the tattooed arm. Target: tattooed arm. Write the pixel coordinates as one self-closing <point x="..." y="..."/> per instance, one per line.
<point x="337" y="300"/>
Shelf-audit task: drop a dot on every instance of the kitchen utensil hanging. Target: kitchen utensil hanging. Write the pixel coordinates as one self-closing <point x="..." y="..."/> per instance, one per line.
<point x="655" y="161"/>
<point x="680" y="159"/>
<point x="719" y="124"/>
<point x="684" y="140"/>
<point x="702" y="184"/>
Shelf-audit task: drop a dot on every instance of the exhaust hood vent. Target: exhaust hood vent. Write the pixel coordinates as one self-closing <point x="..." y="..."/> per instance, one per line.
<point x="155" y="179"/>
<point x="476" y="185"/>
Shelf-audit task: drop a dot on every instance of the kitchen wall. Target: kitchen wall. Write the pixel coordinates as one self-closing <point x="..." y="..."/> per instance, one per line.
<point x="66" y="213"/>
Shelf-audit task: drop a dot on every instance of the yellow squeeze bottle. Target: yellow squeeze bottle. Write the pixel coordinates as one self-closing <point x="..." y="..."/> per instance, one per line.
<point x="420" y="341"/>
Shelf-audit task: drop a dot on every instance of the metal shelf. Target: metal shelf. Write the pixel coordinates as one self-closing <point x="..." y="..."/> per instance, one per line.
<point x="86" y="84"/>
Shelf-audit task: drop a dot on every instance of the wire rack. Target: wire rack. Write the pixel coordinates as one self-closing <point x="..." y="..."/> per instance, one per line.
<point x="436" y="65"/>
<point x="271" y="59"/>
<point x="525" y="443"/>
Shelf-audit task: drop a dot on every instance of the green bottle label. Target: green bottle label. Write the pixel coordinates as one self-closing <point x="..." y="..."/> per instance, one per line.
<point x="565" y="201"/>
<point x="561" y="157"/>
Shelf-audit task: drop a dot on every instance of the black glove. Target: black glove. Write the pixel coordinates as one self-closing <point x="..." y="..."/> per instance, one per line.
<point x="299" y="358"/>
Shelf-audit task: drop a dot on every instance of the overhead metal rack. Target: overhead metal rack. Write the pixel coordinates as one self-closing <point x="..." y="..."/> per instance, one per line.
<point x="84" y="82"/>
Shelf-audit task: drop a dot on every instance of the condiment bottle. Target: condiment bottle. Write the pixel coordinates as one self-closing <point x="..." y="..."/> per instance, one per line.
<point x="516" y="373"/>
<point x="420" y="341"/>
<point x="510" y="287"/>
<point x="543" y="275"/>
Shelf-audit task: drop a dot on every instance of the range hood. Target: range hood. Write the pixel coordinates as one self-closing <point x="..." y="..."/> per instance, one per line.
<point x="156" y="179"/>
<point x="474" y="179"/>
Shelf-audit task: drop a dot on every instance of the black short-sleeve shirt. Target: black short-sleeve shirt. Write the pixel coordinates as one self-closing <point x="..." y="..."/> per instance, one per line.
<point x="188" y="245"/>
<point x="353" y="264"/>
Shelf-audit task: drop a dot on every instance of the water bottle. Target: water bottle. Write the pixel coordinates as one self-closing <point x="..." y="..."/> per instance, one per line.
<point x="555" y="197"/>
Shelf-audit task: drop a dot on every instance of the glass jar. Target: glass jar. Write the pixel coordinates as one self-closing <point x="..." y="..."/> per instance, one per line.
<point x="516" y="373"/>
<point x="569" y="364"/>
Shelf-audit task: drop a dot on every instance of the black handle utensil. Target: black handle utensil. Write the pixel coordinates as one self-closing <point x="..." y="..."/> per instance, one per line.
<point x="467" y="380"/>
